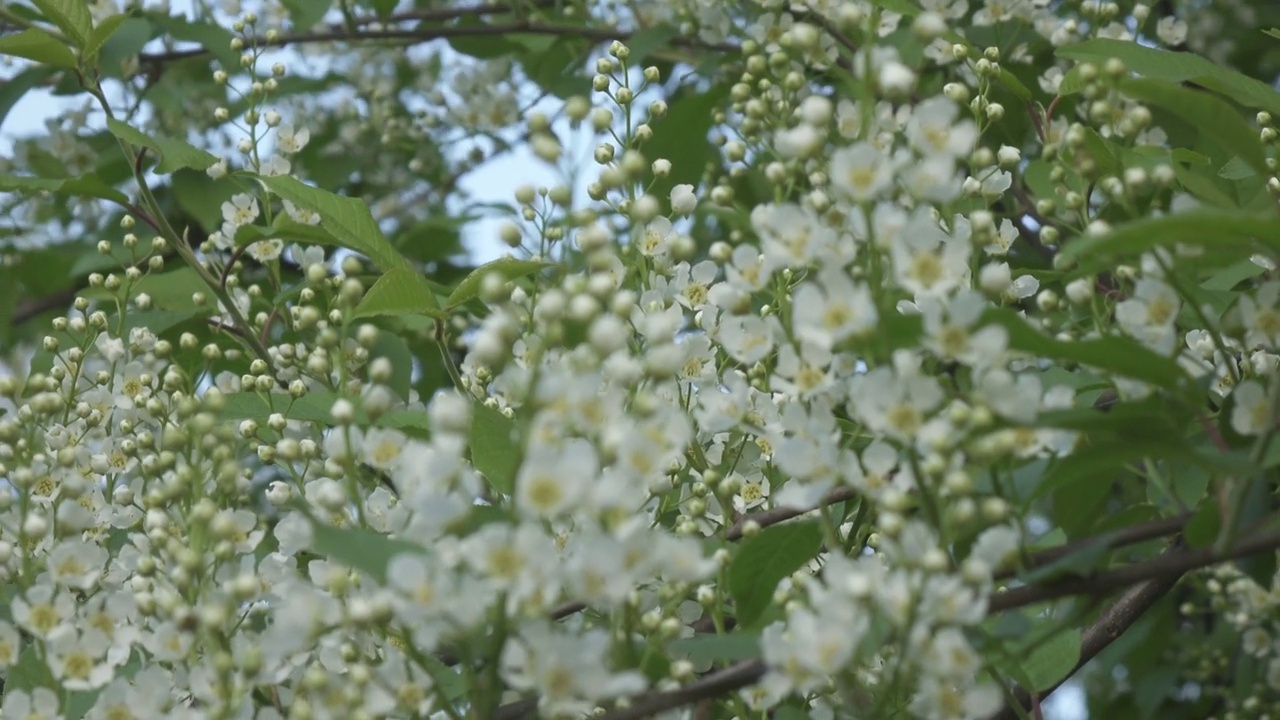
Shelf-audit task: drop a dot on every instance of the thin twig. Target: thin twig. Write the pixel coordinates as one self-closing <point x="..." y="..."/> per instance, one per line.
<point x="1153" y="575"/>
<point x="1120" y="538"/>
<point x="1166" y="565"/>
<point x="1110" y="625"/>
<point x="421" y="35"/>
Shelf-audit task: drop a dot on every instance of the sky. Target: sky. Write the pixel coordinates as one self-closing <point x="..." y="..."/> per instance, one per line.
<point x="496" y="181"/>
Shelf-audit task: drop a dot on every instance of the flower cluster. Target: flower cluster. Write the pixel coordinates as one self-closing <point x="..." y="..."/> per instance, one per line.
<point x="791" y="404"/>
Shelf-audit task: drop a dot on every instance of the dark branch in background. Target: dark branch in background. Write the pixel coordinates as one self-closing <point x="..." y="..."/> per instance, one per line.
<point x="1110" y="625"/>
<point x="1118" y="539"/>
<point x="1170" y="564"/>
<point x="766" y="518"/>
<point x="1153" y="579"/>
<point x="28" y="309"/>
<point x="155" y="61"/>
<point x="735" y="677"/>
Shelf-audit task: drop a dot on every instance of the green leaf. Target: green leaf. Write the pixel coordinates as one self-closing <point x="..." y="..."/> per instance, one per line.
<point x="157" y="321"/>
<point x="348" y="218"/>
<point x="486" y="46"/>
<point x="1123" y="355"/>
<point x="1203" y="527"/>
<point x="710" y="648"/>
<point x="1206" y="186"/>
<point x="1273" y="32"/>
<point x="644" y="42"/>
<point x="1177" y="67"/>
<point x="304" y="14"/>
<point x="174" y="154"/>
<point x="1072" y="83"/>
<point x="84" y="186"/>
<point x="509" y="268"/>
<point x="448" y="680"/>
<point x="29" y="672"/>
<point x="215" y="39"/>
<point x="38" y="45"/>
<point x="171" y="290"/>
<point x="71" y="16"/>
<point x="350" y="221"/>
<point x="1237" y="169"/>
<point x="1211" y="228"/>
<point x="393" y="348"/>
<point x="1014" y="85"/>
<point x="556" y="66"/>
<point x="399" y="291"/>
<point x="286" y="229"/>
<point x="1232" y="276"/>
<point x="125" y="43"/>
<point x="766" y="559"/>
<point x="103" y="32"/>
<point x="495" y="448"/>
<point x="201" y="197"/>
<point x="1095" y="464"/>
<point x="1052" y="661"/>
<point x="358" y="548"/>
<point x="15" y="88"/>
<point x="1217" y="121"/>
<point x="681" y="137"/>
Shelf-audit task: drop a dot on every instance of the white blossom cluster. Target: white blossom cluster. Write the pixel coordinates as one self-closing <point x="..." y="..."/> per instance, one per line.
<point x="303" y="540"/>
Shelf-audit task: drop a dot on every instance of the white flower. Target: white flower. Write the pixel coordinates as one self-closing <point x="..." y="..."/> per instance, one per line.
<point x="289" y="140"/>
<point x="44" y="611"/>
<point x="1150" y="315"/>
<point x="78" y="659"/>
<point x="1252" y="412"/>
<point x="861" y="172"/>
<point x="381" y="447"/>
<point x="801" y="141"/>
<point x="553" y="479"/>
<point x="1261" y="317"/>
<point x="927" y="261"/>
<point x="275" y="166"/>
<point x="218" y="170"/>
<point x="933" y="130"/>
<point x="77" y="564"/>
<point x="569" y="671"/>
<point x="792" y="235"/>
<point x="10" y="645"/>
<point x="655" y="239"/>
<point x="112" y="348"/>
<point x="895" y="401"/>
<point x="955" y="336"/>
<point x="683" y="201"/>
<point x="933" y="179"/>
<point x="896" y="79"/>
<point x="305" y="216"/>
<point x="39" y="704"/>
<point x="832" y="309"/>
<point x="1171" y="30"/>
<point x="242" y="209"/>
<point x="265" y="250"/>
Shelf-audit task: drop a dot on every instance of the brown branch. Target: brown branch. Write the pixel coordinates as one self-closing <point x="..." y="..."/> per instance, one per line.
<point x="412" y="36"/>
<point x="765" y="518"/>
<point x="1154" y="578"/>
<point x="1118" y="539"/>
<point x="1170" y="564"/>
<point x="36" y="306"/>
<point x="442" y="14"/>
<point x="1110" y="625"/>
<point x="732" y="678"/>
